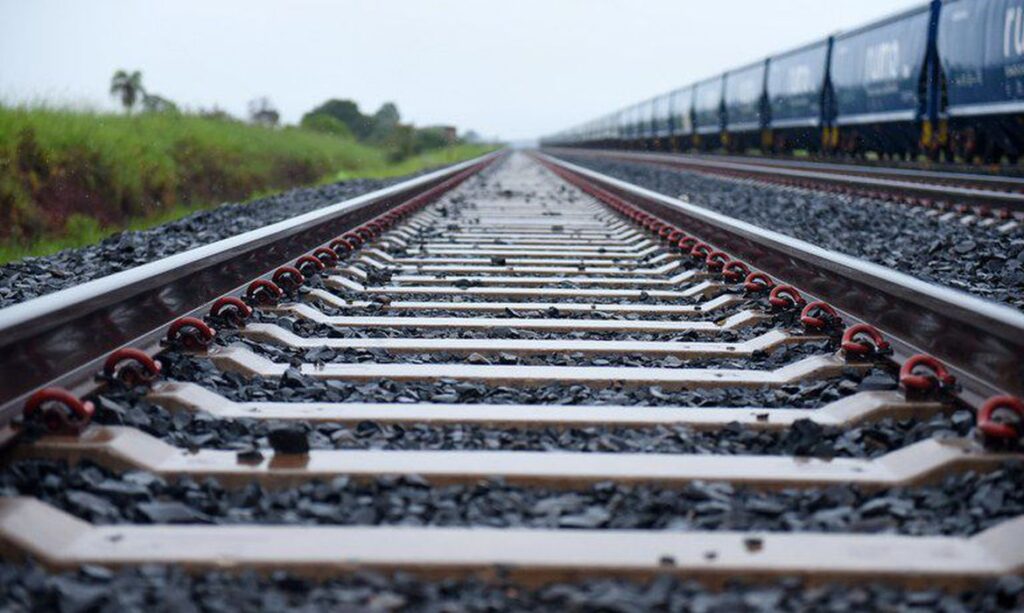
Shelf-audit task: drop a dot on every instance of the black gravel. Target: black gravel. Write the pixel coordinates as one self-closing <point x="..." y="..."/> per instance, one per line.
<point x="644" y="297"/>
<point x="760" y="360"/>
<point x="962" y="504"/>
<point x="193" y="430"/>
<point x="977" y="260"/>
<point x="379" y="308"/>
<point x="35" y="276"/>
<point x="293" y="386"/>
<point x="308" y="328"/>
<point x="93" y="588"/>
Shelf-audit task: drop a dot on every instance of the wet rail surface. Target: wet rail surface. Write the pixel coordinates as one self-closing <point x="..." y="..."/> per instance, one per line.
<point x="526" y="373"/>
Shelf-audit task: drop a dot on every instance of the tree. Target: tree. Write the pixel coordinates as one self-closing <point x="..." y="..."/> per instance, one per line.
<point x="153" y="103"/>
<point x="401" y="143"/>
<point x="347" y="112"/>
<point x="262" y="112"/>
<point x="436" y="137"/>
<point x="385" y="121"/>
<point x="127" y="86"/>
<point x="218" y="114"/>
<point x="326" y="124"/>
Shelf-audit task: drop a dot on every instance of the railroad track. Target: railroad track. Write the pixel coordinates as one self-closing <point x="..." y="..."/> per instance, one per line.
<point x="981" y="178"/>
<point x="638" y="387"/>
<point x="987" y="200"/>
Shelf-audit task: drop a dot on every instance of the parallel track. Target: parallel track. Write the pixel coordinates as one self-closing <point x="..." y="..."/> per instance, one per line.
<point x="999" y="198"/>
<point x="541" y="278"/>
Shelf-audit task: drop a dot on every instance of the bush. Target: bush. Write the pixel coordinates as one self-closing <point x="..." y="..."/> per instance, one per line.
<point x="348" y="113"/>
<point x="55" y="163"/>
<point x="430" y="138"/>
<point x="325" y="124"/>
<point x="68" y="177"/>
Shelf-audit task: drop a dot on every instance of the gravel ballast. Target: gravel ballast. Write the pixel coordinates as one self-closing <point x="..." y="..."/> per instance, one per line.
<point x="293" y="386"/>
<point x="955" y="504"/>
<point x="381" y="308"/>
<point x="769" y="359"/>
<point x="193" y="430"/>
<point x="980" y="261"/>
<point x="95" y="588"/>
<point x="961" y="504"/>
<point x="35" y="276"/>
<point x="309" y="328"/>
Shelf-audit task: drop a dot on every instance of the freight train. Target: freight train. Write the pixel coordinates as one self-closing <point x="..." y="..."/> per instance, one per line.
<point x="943" y="80"/>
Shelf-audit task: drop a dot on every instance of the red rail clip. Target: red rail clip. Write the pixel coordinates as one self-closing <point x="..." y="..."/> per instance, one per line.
<point x="326" y="256"/>
<point x="820" y="315"/>
<point x="131" y="366"/>
<point x="288" y="278"/>
<point x="757" y="282"/>
<point x="59" y="411"/>
<point x="231" y="309"/>
<point x="938" y="378"/>
<point x="997" y="406"/>
<point x="785" y="297"/>
<point x="309" y="265"/>
<point x="341" y="247"/>
<point x="263" y="291"/>
<point x="863" y="340"/>
<point x="354" y="240"/>
<point x="716" y="260"/>
<point x="191" y="333"/>
<point x="701" y="251"/>
<point x="734" y="270"/>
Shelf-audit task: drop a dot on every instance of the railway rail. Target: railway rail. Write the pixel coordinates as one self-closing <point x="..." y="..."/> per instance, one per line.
<point x="456" y="320"/>
<point x="993" y="200"/>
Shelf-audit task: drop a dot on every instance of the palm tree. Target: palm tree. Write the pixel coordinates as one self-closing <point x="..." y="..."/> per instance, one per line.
<point x="128" y="86"/>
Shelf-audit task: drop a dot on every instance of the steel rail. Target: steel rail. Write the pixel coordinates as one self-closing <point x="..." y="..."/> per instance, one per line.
<point x="981" y="341"/>
<point x="62" y="338"/>
<point x="1013" y="201"/>
<point x="911" y="174"/>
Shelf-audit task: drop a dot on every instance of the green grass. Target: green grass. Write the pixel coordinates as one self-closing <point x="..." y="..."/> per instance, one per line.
<point x="428" y="159"/>
<point x="71" y="178"/>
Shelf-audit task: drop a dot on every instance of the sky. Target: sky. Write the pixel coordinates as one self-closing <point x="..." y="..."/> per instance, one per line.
<point x="514" y="69"/>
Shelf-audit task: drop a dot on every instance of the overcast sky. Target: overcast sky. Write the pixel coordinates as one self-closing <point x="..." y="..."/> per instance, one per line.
<point x="511" y="68"/>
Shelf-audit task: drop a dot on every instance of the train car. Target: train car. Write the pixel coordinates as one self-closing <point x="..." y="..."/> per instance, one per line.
<point x="607" y="132"/>
<point x="880" y="80"/>
<point x="644" y="131"/>
<point x="744" y="107"/>
<point x="681" y="117"/>
<point x="707" y="114"/>
<point x="797" y="92"/>
<point x="944" y="76"/>
<point x="661" y="122"/>
<point x="981" y="53"/>
<point x="625" y="131"/>
<point x="637" y="121"/>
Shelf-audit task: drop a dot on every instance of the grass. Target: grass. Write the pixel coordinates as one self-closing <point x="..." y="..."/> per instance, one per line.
<point x="427" y="159"/>
<point x="71" y="178"/>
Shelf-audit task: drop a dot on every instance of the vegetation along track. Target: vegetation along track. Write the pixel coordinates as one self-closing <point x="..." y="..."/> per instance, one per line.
<point x="524" y="369"/>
